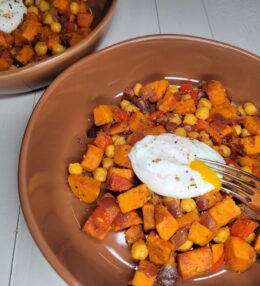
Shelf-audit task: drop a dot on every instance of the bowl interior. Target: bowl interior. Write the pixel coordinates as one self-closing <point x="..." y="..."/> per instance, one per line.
<point x="56" y="135"/>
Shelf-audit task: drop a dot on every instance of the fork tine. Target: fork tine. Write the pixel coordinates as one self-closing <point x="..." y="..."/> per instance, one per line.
<point x="230" y="168"/>
<point x="243" y="189"/>
<point x="243" y="199"/>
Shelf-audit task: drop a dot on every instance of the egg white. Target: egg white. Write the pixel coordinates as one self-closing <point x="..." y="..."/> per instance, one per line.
<point x="162" y="161"/>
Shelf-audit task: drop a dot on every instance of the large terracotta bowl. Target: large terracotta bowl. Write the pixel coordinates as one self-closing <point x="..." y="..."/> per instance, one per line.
<point x="41" y="73"/>
<point x="56" y="135"/>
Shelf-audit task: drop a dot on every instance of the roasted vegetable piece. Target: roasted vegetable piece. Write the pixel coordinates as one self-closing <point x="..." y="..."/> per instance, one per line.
<point x="207" y="220"/>
<point x="138" y="122"/>
<point x="62" y="5"/>
<point x="148" y="216"/>
<point x="133" y="234"/>
<point x="257" y="244"/>
<point x="30" y="27"/>
<point x="251" y="144"/>
<point x="155" y="130"/>
<point x="216" y="92"/>
<point x="239" y="254"/>
<point x="134" y="198"/>
<point x="187" y="219"/>
<point x="121" y="155"/>
<point x="159" y="250"/>
<point x="166" y="224"/>
<point x="195" y="262"/>
<point x="126" y="220"/>
<point x="180" y="237"/>
<point x="218" y="256"/>
<point x="223" y="212"/>
<point x="145" y="275"/>
<point x="168" y="102"/>
<point x="99" y="222"/>
<point x="85" y="188"/>
<point x="173" y="206"/>
<point x="103" y="114"/>
<point x="154" y="90"/>
<point x="93" y="158"/>
<point x="200" y="234"/>
<point x="208" y="200"/>
<point x="227" y="110"/>
<point x="25" y="55"/>
<point x="167" y="275"/>
<point x="102" y="140"/>
<point x="243" y="227"/>
<point x="84" y="20"/>
<point x="252" y="124"/>
<point x="119" y="179"/>
<point x="117" y="128"/>
<point x="204" y="125"/>
<point x="186" y="106"/>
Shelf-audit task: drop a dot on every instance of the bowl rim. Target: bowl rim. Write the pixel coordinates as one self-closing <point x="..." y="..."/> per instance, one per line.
<point x="68" y="52"/>
<point x="22" y="184"/>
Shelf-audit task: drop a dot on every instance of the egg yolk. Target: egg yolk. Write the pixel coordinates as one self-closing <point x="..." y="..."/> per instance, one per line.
<point x="207" y="173"/>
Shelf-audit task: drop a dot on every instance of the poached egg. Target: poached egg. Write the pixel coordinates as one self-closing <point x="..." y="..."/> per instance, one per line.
<point x="167" y="165"/>
<point x="11" y="14"/>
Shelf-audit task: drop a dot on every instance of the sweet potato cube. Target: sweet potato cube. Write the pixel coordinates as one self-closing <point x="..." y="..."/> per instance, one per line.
<point x="103" y="114"/>
<point x="226" y="110"/>
<point x="183" y="107"/>
<point x="121" y="155"/>
<point x="102" y="140"/>
<point x="257" y="244"/>
<point x="243" y="227"/>
<point x="216" y="92"/>
<point x="85" y="188"/>
<point x="239" y="254"/>
<point x="252" y="124"/>
<point x="251" y="144"/>
<point x="126" y="220"/>
<point x="195" y="262"/>
<point x="155" y="130"/>
<point x="223" y="212"/>
<point x="92" y="158"/>
<point x="5" y="64"/>
<point x="208" y="200"/>
<point x="166" y="224"/>
<point x="30" y="27"/>
<point x="145" y="275"/>
<point x="200" y="234"/>
<point x="25" y="55"/>
<point x="138" y="122"/>
<point x="168" y="102"/>
<point x="62" y="5"/>
<point x="154" y="90"/>
<point x="133" y="234"/>
<point x="187" y="218"/>
<point x="99" y="222"/>
<point x="134" y="198"/>
<point x="119" y="127"/>
<point x="159" y="250"/>
<point x="119" y="179"/>
<point x="85" y="20"/>
<point x="148" y="216"/>
<point x="217" y="251"/>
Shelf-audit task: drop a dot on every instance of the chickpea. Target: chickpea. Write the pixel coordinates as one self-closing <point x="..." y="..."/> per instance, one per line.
<point x="107" y="163"/>
<point x="139" y="250"/>
<point x="44" y="6"/>
<point x="187" y="245"/>
<point x="226" y="151"/>
<point x="56" y="27"/>
<point x="222" y="235"/>
<point x="247" y="169"/>
<point x="190" y="119"/>
<point x="204" y="102"/>
<point x="120" y="140"/>
<point x="208" y="142"/>
<point x="204" y="135"/>
<point x="202" y="113"/>
<point x="41" y="48"/>
<point x="173" y="88"/>
<point x="186" y="96"/>
<point x="29" y="2"/>
<point x="244" y="133"/>
<point x="75" y="169"/>
<point x="13" y="67"/>
<point x="238" y="129"/>
<point x="131" y="108"/>
<point x="124" y="103"/>
<point x="37" y="2"/>
<point x="33" y="9"/>
<point x="176" y="119"/>
<point x="74" y="8"/>
<point x="188" y="205"/>
<point x="100" y="174"/>
<point x="193" y="135"/>
<point x="137" y="88"/>
<point x="48" y="19"/>
<point x="250" y="108"/>
<point x="110" y="151"/>
<point x="58" y="48"/>
<point x="241" y="110"/>
<point x="250" y="238"/>
<point x="180" y="131"/>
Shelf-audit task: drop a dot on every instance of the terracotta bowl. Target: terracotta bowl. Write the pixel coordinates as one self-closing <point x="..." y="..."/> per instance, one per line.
<point x="40" y="74"/>
<point x="56" y="135"/>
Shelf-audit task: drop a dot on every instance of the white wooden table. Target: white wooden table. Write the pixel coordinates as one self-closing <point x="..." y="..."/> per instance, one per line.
<point x="232" y="21"/>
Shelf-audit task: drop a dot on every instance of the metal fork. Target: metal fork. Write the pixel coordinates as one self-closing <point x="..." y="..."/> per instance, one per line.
<point x="240" y="184"/>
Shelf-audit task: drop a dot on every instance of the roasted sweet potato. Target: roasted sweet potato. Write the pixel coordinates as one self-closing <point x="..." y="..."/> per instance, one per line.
<point x="251" y="144"/>
<point x="148" y="216"/>
<point x="243" y="227"/>
<point x="134" y="198"/>
<point x="25" y="55"/>
<point x="102" y="140"/>
<point x="199" y="234"/>
<point x="218" y="256"/>
<point x="5" y="60"/>
<point x="257" y="244"/>
<point x="30" y="27"/>
<point x="85" y="188"/>
<point x="138" y="122"/>
<point x="85" y="20"/>
<point x="195" y="262"/>
<point x="103" y="114"/>
<point x="62" y="5"/>
<point x="119" y="179"/>
<point x="155" y="130"/>
<point x="204" y="125"/>
<point x="207" y="220"/>
<point x="187" y="219"/>
<point x="223" y="212"/>
<point x="239" y="254"/>
<point x="99" y="222"/>
<point x="227" y="110"/>
<point x="121" y="155"/>
<point x="93" y="158"/>
<point x="166" y="224"/>
<point x="145" y="275"/>
<point x="183" y="107"/>
<point x="119" y="127"/>
<point x="173" y="206"/>
<point x="159" y="250"/>
<point x="252" y="124"/>
<point x="180" y="237"/>
<point x="216" y="92"/>
<point x="167" y="275"/>
<point x="154" y="90"/>
<point x="168" y="102"/>
<point x="208" y="200"/>
<point x="133" y="234"/>
<point x="6" y="40"/>
<point x="123" y="221"/>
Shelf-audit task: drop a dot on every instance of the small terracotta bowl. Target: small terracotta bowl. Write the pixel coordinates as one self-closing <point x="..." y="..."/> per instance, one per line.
<point x="41" y="73"/>
<point x="56" y="136"/>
